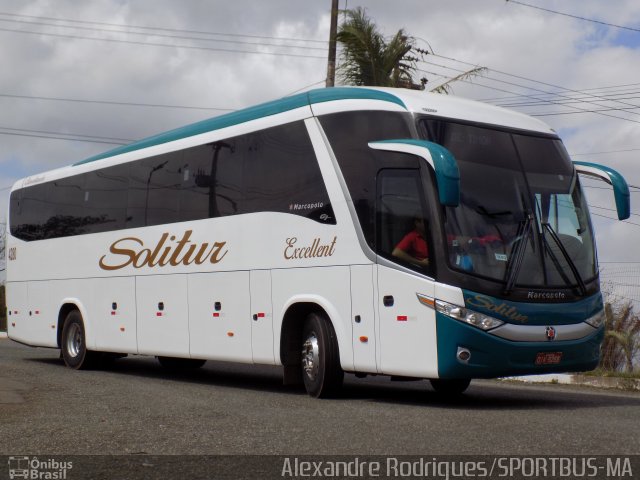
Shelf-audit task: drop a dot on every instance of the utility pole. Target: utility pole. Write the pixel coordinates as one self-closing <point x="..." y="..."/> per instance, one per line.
<point x="333" y="32"/>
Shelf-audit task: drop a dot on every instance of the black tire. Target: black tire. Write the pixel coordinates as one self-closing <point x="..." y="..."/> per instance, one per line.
<point x="73" y="344"/>
<point x="321" y="370"/>
<point x="172" y="363"/>
<point x="450" y="387"/>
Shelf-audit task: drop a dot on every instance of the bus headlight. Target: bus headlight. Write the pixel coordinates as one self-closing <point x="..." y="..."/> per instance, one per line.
<point x="479" y="320"/>
<point x="597" y="320"/>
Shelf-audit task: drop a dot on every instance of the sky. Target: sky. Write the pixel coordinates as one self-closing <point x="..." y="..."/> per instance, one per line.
<point x="78" y="78"/>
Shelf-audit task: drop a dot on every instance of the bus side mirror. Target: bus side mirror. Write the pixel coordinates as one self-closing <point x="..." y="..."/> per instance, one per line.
<point x="613" y="178"/>
<point x="440" y="159"/>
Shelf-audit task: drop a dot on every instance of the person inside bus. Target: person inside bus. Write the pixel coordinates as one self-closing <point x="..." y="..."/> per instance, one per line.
<point x="413" y="246"/>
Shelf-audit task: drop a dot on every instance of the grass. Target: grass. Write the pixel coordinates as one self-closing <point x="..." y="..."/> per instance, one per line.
<point x="599" y="372"/>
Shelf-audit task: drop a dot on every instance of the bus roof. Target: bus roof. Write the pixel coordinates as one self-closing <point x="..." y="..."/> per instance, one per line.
<point x="450" y="106"/>
<point x="252" y="113"/>
<point x="410" y="100"/>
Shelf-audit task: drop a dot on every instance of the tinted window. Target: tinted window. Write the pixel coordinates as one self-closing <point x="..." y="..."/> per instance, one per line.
<point x="154" y="190"/>
<point x="212" y="181"/>
<point x="31" y="214"/>
<point x="402" y="221"/>
<point x="66" y="201"/>
<point x="282" y="174"/>
<point x="349" y="134"/>
<point x="105" y="198"/>
<point x="272" y="170"/>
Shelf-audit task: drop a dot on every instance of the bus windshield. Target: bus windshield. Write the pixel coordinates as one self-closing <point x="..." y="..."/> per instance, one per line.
<point x="522" y="218"/>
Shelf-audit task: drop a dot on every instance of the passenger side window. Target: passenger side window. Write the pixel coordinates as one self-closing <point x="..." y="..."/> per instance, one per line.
<point x="105" y="198"/>
<point x="403" y="234"/>
<point x="282" y="174"/>
<point x="154" y="190"/>
<point x="273" y="170"/>
<point x="29" y="219"/>
<point x="68" y="214"/>
<point x="212" y="181"/>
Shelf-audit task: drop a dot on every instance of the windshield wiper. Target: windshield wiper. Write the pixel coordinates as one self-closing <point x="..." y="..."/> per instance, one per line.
<point x="548" y="228"/>
<point x="517" y="252"/>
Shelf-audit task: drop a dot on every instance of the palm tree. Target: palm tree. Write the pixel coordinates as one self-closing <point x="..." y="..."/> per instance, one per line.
<point x="370" y="60"/>
<point x="622" y="337"/>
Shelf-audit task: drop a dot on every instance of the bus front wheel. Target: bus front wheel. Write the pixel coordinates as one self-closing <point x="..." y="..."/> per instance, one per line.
<point x="321" y="370"/>
<point x="73" y="344"/>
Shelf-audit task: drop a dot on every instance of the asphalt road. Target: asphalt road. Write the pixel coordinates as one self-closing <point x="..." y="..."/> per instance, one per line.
<point x="136" y="407"/>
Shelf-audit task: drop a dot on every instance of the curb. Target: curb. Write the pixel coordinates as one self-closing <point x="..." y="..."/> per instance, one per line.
<point x="618" y="383"/>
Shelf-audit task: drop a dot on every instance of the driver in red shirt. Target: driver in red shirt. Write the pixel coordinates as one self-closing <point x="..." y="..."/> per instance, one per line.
<point x="413" y="246"/>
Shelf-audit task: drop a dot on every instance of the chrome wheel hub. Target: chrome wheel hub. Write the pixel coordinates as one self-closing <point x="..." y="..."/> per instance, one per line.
<point x="74" y="340"/>
<point x="311" y="356"/>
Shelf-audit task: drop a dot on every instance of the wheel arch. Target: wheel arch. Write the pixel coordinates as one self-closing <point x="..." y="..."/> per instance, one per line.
<point x="295" y="313"/>
<point x="67" y="306"/>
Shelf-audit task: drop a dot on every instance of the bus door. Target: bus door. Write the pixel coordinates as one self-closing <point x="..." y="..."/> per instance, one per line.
<point x="262" y="344"/>
<point x="407" y="327"/>
<point x="363" y="318"/>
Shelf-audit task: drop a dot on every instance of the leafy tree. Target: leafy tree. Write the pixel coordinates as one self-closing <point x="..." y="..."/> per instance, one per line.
<point x="368" y="59"/>
<point x="622" y="337"/>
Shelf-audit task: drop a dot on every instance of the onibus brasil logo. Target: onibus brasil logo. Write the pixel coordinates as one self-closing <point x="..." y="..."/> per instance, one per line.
<point x="36" y="469"/>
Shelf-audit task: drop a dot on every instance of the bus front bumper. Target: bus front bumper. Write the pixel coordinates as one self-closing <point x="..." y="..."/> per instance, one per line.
<point x="490" y="356"/>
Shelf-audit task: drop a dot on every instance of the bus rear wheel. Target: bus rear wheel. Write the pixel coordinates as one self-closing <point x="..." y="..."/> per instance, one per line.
<point x="73" y="343"/>
<point x="450" y="387"/>
<point x="321" y="370"/>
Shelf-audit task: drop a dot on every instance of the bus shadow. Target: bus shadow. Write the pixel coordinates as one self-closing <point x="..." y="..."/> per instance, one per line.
<point x="487" y="395"/>
<point x="222" y="374"/>
<point x="483" y="395"/>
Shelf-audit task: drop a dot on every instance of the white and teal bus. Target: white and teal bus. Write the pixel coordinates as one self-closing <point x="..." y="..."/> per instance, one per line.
<point x="361" y="230"/>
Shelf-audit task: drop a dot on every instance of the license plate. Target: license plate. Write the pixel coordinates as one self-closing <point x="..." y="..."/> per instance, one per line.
<point x="548" y="358"/>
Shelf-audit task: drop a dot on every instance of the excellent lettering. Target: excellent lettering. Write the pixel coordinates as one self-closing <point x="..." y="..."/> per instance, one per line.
<point x="315" y="250"/>
<point x="168" y="251"/>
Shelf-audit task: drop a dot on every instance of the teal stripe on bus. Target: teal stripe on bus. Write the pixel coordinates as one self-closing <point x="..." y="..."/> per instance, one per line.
<point x="252" y="113"/>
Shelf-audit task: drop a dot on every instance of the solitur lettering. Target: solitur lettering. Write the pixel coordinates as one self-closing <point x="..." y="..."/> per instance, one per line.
<point x="168" y="251"/>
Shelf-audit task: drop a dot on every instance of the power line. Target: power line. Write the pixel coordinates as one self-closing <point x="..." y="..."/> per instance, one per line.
<point x="619" y="262"/>
<point x="163" y="29"/>
<point x="524" y="86"/>
<point x="603" y="153"/>
<point x="111" y="102"/>
<point x="555" y="114"/>
<point x="611" y="218"/>
<point x="63" y="136"/>
<point x="609" y="209"/>
<point x="584" y="90"/>
<point x="574" y="16"/>
<point x="544" y="99"/>
<point x="165" y="45"/>
<point x="155" y="34"/>
<point x="542" y="91"/>
<point x="608" y="188"/>
<point x="67" y="134"/>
